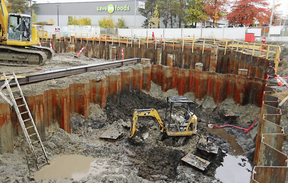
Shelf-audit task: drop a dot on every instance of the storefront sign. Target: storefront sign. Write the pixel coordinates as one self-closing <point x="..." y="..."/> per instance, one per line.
<point x="112" y="8"/>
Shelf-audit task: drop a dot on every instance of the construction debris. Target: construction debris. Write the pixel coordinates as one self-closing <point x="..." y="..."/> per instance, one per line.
<point x="112" y="134"/>
<point x="196" y="161"/>
<point x="206" y="146"/>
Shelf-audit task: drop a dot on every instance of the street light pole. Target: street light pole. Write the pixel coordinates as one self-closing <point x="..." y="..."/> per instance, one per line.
<point x="58" y="14"/>
<point x="271" y="18"/>
<point x="135" y="14"/>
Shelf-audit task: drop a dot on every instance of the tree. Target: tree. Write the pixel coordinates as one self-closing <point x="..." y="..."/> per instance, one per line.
<point x="174" y="9"/>
<point x="245" y="12"/>
<point x="215" y="9"/>
<point x="34" y="16"/>
<point x="120" y="23"/>
<point x="106" y="22"/>
<point x="17" y="6"/>
<point x="51" y="21"/>
<point x="150" y="6"/>
<point x="80" y="21"/>
<point x="155" y="20"/>
<point x="164" y="11"/>
<point x="195" y="12"/>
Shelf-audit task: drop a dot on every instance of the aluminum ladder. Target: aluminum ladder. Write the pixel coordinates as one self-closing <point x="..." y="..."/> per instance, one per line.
<point x="27" y="123"/>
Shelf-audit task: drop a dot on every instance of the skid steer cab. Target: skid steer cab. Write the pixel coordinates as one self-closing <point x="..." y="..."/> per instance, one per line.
<point x="174" y="124"/>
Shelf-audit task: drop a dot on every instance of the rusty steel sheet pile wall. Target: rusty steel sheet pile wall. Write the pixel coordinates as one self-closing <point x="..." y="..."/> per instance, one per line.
<point x="204" y="83"/>
<point x="214" y="58"/>
<point x="270" y="164"/>
<point x="57" y="104"/>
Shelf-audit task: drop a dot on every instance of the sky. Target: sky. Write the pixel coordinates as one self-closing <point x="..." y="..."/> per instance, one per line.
<point x="283" y="7"/>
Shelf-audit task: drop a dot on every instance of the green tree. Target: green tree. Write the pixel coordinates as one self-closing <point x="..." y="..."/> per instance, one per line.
<point x="34" y="16"/>
<point x="164" y="11"/>
<point x="150" y="6"/>
<point x="120" y="23"/>
<point x="79" y="21"/>
<point x="17" y="6"/>
<point x="106" y="22"/>
<point x="195" y="12"/>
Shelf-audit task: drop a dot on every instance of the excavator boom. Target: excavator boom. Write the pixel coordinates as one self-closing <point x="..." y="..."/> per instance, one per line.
<point x="145" y="112"/>
<point x="4" y="18"/>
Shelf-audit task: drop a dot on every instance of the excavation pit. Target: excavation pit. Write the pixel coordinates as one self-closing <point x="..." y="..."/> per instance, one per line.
<point x="72" y="114"/>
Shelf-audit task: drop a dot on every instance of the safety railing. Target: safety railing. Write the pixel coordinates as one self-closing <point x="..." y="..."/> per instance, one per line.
<point x="267" y="51"/>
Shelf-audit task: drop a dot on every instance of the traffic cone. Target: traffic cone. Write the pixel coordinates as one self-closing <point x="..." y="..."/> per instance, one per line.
<point x="76" y="56"/>
<point x="122" y="54"/>
<point x="279" y="82"/>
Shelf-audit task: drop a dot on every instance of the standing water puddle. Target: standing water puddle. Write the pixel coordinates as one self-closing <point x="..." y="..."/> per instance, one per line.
<point x="236" y="167"/>
<point x="66" y="166"/>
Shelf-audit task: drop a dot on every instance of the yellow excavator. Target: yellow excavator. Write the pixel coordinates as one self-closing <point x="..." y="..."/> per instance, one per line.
<point x="19" y="40"/>
<point x="176" y="126"/>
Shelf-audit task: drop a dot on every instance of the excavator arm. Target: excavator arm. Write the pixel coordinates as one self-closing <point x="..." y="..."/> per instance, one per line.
<point x="3" y="18"/>
<point x="145" y="112"/>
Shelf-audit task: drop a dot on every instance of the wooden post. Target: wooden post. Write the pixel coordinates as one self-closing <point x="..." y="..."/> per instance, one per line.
<point x="203" y="46"/>
<point x="139" y="42"/>
<point x="276" y="59"/>
<point x="226" y="44"/>
<point x="183" y="42"/>
<point x="193" y="41"/>
<point x="173" y="42"/>
<point x="237" y="46"/>
<point x="268" y="49"/>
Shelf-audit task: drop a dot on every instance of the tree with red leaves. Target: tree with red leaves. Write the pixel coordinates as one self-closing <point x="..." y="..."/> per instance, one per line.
<point x="215" y="9"/>
<point x="246" y="12"/>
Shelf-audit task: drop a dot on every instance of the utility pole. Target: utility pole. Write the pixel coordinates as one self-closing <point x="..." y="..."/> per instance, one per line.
<point x="58" y="14"/>
<point x="31" y="8"/>
<point x="271" y="18"/>
<point x="135" y="14"/>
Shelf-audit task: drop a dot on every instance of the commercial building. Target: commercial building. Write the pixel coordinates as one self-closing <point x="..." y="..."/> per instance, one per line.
<point x="96" y="10"/>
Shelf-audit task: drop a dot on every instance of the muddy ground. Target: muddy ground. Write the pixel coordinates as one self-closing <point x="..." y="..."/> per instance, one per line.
<point x="139" y="160"/>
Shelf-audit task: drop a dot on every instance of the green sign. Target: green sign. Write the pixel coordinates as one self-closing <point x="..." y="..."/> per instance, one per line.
<point x="112" y="8"/>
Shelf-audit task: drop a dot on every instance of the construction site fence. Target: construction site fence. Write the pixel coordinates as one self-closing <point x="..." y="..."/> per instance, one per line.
<point x="228" y="33"/>
<point x="268" y="51"/>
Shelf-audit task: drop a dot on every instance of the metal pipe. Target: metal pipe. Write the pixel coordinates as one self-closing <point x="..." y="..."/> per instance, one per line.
<point x="64" y="72"/>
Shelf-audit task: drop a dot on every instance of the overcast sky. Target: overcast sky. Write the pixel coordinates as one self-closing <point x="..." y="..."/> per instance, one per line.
<point x="283" y="7"/>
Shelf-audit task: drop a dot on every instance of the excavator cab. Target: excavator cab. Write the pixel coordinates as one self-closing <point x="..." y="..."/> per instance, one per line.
<point x="19" y="27"/>
<point x="179" y="121"/>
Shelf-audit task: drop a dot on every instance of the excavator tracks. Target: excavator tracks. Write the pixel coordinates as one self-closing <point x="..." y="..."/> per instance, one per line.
<point x="18" y="56"/>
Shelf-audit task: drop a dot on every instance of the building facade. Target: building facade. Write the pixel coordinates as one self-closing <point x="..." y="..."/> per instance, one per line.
<point x="96" y="10"/>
